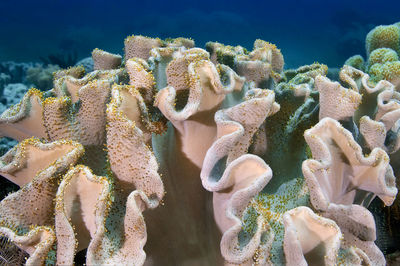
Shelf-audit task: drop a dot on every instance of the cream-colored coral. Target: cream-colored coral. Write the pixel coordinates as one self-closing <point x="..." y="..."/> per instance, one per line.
<point x="336" y="101"/>
<point x="309" y="238"/>
<point x="245" y="143"/>
<point x="381" y="131"/>
<point x="79" y="113"/>
<point x="268" y="52"/>
<point x="30" y="157"/>
<point x="140" y="46"/>
<point x="60" y="117"/>
<point x="141" y="78"/>
<point x="180" y="42"/>
<point x="104" y="60"/>
<point x="378" y="113"/>
<point x="38" y="168"/>
<point x="340" y="177"/>
<point x="335" y="154"/>
<point x="80" y="192"/>
<point x="262" y="65"/>
<point x="234" y="178"/>
<point x="197" y="89"/>
<point x="26" y="118"/>
<point x="37" y="242"/>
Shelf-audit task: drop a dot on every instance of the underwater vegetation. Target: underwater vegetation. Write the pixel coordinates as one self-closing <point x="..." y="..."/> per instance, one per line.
<point x="177" y="155"/>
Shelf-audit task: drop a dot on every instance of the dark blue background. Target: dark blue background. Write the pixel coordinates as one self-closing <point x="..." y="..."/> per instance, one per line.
<point x="305" y="31"/>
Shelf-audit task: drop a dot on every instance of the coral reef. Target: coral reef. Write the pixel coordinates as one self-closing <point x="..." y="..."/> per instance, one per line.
<point x="103" y="60"/>
<point x="4" y="79"/>
<point x="383" y="46"/>
<point x="383" y="51"/>
<point x="177" y="155"/>
<point x="16" y="71"/>
<point x="42" y="77"/>
<point x="12" y="94"/>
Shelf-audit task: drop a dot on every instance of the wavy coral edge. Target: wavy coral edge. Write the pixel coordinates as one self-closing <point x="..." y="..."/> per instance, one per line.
<point x="386" y="189"/>
<point x="37" y="242"/>
<point x="245" y="175"/>
<point x="165" y="99"/>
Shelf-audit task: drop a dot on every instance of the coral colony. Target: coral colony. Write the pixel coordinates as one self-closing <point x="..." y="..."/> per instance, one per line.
<point x="175" y="155"/>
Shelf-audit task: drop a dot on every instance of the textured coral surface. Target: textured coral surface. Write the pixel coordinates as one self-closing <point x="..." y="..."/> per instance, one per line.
<point x="176" y="155"/>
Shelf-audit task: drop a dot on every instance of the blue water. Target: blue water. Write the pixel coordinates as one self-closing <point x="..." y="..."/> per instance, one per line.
<point x="306" y="31"/>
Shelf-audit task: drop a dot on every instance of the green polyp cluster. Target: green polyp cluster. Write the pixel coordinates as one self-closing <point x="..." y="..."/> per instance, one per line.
<point x="226" y="58"/>
<point x="298" y="76"/>
<point x="376" y="72"/>
<point x="249" y="226"/>
<point x="383" y="36"/>
<point x="272" y="207"/>
<point x="181" y="99"/>
<point x="284" y="130"/>
<point x="388" y="71"/>
<point x="383" y="64"/>
<point x="223" y="76"/>
<point x="285" y="146"/>
<point x="383" y="51"/>
<point x="356" y="61"/>
<point x="382" y="55"/>
<point x="225" y="54"/>
<point x="51" y="257"/>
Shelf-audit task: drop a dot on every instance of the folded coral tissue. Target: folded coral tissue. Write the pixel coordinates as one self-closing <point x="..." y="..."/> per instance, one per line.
<point x="177" y="155"/>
